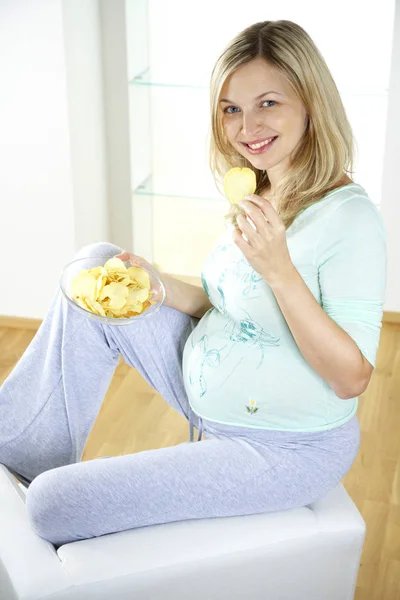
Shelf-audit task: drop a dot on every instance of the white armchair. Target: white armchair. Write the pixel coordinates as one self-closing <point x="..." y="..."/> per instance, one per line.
<point x="308" y="553"/>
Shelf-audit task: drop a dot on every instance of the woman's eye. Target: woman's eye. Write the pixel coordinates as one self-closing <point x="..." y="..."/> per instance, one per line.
<point x="231" y="110"/>
<point x="227" y="110"/>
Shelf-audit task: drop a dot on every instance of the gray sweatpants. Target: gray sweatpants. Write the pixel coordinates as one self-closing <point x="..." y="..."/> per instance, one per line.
<point x="50" y="401"/>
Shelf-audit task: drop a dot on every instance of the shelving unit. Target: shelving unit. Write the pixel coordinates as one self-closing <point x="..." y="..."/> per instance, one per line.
<point x="177" y="212"/>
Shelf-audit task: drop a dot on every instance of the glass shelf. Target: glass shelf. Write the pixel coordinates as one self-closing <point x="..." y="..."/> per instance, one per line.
<point x="144" y="78"/>
<point x="147" y="189"/>
<point x="176" y="232"/>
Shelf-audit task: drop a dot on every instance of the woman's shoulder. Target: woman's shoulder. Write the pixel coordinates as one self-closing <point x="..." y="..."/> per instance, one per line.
<point x="349" y="209"/>
<point x="345" y="206"/>
<point x="349" y="197"/>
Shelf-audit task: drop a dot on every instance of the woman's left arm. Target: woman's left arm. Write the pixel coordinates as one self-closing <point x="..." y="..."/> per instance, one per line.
<point x="326" y="346"/>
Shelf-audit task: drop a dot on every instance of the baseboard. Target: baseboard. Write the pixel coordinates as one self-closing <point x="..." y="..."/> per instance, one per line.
<point x="25" y="323"/>
<point x="391" y="317"/>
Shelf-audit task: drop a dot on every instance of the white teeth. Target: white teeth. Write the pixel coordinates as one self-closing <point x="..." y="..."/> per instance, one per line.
<point x="255" y="146"/>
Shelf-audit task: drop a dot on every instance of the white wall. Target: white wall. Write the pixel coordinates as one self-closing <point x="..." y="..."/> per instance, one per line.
<point x="54" y="124"/>
<point x="116" y="113"/>
<point x="37" y="217"/>
<point x="390" y="206"/>
<point x="86" y="112"/>
<point x="52" y="182"/>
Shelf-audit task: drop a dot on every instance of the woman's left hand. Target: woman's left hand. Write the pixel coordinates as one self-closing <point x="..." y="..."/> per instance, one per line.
<point x="266" y="251"/>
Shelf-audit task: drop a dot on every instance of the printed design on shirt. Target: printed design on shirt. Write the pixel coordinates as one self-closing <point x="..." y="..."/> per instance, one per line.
<point x="249" y="277"/>
<point x="251" y="407"/>
<point x="251" y="332"/>
<point x="205" y="286"/>
<point x="240" y="271"/>
<point x="222" y="306"/>
<point x="247" y="331"/>
<point x="210" y="358"/>
<point x="223" y="247"/>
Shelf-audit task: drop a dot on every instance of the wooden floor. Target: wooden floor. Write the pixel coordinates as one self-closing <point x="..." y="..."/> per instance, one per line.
<point x="133" y="418"/>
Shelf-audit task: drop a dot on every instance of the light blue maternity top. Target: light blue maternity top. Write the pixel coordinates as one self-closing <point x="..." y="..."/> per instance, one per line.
<point x="241" y="364"/>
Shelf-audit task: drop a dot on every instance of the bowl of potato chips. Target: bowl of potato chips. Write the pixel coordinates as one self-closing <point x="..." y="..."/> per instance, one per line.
<point x="111" y="290"/>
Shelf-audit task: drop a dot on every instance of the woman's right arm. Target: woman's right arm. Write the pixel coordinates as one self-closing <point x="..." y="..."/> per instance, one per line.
<point x="188" y="298"/>
<point x="185" y="297"/>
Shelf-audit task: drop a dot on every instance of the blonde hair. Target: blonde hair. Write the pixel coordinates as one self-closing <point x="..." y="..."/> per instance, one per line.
<point x="326" y="149"/>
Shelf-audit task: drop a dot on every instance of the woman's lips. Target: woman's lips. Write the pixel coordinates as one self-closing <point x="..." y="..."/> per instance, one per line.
<point x="261" y="150"/>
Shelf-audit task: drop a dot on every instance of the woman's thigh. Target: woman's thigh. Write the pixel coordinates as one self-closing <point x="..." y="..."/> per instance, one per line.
<point x="50" y="401"/>
<point x="217" y="477"/>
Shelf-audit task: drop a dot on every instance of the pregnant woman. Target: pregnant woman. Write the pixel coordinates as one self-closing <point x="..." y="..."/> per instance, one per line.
<point x="267" y="358"/>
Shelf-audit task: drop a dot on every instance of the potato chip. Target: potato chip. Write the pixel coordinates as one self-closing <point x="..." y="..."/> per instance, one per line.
<point x="81" y="303"/>
<point x="239" y="183"/>
<point x="117" y="294"/>
<point x="113" y="290"/>
<point x="101" y="276"/>
<point x="84" y="286"/>
<point x="141" y="276"/>
<point x="95" y="307"/>
<point x="115" y="264"/>
<point x="137" y="295"/>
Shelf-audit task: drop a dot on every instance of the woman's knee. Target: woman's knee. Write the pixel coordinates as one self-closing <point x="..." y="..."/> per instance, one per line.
<point x="101" y="249"/>
<point x="44" y="505"/>
<point x="37" y="505"/>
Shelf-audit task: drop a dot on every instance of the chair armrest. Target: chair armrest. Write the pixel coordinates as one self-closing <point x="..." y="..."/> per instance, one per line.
<point x="22" y="551"/>
<point x="337" y="512"/>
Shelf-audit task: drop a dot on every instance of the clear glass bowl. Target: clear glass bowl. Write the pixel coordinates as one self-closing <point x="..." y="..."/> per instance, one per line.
<point x="72" y="269"/>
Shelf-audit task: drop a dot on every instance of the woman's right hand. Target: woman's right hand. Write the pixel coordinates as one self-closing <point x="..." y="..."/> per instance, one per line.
<point x="185" y="297"/>
<point x="135" y="260"/>
<point x="139" y="261"/>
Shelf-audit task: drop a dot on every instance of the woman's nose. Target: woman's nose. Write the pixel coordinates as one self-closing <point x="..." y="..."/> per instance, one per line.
<point x="251" y="125"/>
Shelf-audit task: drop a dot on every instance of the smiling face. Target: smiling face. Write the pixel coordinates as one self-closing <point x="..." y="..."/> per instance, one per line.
<point x="257" y="104"/>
